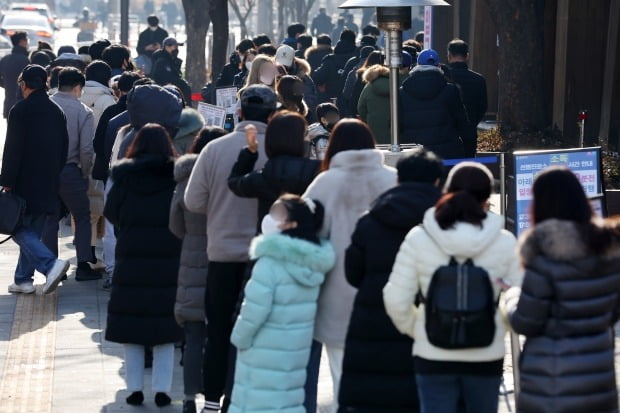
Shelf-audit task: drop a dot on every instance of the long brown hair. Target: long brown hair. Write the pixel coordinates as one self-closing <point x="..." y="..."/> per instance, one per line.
<point x="349" y="134"/>
<point x="151" y="139"/>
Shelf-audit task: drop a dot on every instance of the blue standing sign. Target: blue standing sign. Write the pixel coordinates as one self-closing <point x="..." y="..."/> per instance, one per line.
<point x="585" y="163"/>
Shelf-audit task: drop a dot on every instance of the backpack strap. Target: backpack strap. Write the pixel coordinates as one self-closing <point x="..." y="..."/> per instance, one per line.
<point x="419" y="298"/>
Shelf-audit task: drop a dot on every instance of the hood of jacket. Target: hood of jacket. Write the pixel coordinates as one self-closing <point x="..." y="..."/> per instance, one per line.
<point x="343" y="47"/>
<point x="310" y="261"/>
<point x="425" y="82"/>
<point x="404" y="206"/>
<point x="153" y="103"/>
<point x="302" y="68"/>
<point x="560" y="240"/>
<point x="94" y="90"/>
<point x="464" y="240"/>
<point x="190" y="122"/>
<point x="378" y="77"/>
<point x="146" y="174"/>
<point x="357" y="159"/>
<point x="319" y="48"/>
<point x="183" y="166"/>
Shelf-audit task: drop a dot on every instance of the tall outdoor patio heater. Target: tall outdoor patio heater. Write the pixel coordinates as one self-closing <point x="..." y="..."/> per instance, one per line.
<point x="394" y="17"/>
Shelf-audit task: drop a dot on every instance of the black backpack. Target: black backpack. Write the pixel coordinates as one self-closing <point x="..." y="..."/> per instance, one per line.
<point x="460" y="307"/>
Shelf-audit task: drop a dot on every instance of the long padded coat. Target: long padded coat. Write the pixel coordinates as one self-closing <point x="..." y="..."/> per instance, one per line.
<point x="141" y="307"/>
<point x="568" y="305"/>
<point x="273" y="333"/>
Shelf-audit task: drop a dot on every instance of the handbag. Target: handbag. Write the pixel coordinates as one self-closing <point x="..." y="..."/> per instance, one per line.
<point x="12" y="209"/>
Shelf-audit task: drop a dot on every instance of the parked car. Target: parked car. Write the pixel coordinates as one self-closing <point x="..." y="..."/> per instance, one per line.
<point x="37" y="26"/>
<point x="40" y="8"/>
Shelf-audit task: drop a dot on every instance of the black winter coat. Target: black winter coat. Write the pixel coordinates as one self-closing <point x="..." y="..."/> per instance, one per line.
<point x="330" y="77"/>
<point x="281" y="174"/>
<point x="103" y="151"/>
<point x="11" y="67"/>
<point x="35" y="151"/>
<point x="433" y="115"/>
<point x="141" y="307"/>
<point x="377" y="358"/>
<point x="474" y="93"/>
<point x="148" y="37"/>
<point x="568" y="306"/>
<point x="316" y="54"/>
<point x="227" y="75"/>
<point x="167" y="70"/>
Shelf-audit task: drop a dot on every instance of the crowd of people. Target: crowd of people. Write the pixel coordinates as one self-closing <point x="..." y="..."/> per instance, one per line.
<point x="260" y="247"/>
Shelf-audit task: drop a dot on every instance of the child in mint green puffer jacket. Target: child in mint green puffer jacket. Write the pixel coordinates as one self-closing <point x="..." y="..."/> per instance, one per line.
<point x="273" y="333"/>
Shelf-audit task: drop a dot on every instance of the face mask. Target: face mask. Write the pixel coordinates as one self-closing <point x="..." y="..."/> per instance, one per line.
<point x="153" y="28"/>
<point x="270" y="226"/>
<point x="266" y="80"/>
<point x="175" y="53"/>
<point x="248" y="65"/>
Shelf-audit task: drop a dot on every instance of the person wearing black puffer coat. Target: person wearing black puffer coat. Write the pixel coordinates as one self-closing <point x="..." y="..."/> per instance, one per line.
<point x="568" y="303"/>
<point x="329" y="78"/>
<point x="377" y="358"/>
<point x="432" y="112"/>
<point x="144" y="286"/>
<point x="286" y="171"/>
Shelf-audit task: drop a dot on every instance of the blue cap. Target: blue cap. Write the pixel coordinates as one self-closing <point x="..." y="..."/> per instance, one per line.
<point x="428" y="57"/>
<point x="407" y="60"/>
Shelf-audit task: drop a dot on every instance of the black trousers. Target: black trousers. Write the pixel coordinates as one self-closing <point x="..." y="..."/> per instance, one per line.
<point x="223" y="293"/>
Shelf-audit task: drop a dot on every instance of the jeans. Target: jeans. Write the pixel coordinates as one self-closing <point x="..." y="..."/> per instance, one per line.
<point x="312" y="377"/>
<point x="195" y="334"/>
<point x="163" y="361"/>
<point x="109" y="238"/>
<point x="440" y="393"/>
<point x="224" y="287"/>
<point x="33" y="254"/>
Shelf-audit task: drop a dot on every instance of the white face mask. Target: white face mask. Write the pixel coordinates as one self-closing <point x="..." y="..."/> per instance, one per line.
<point x="248" y="65"/>
<point x="267" y="80"/>
<point x="270" y="226"/>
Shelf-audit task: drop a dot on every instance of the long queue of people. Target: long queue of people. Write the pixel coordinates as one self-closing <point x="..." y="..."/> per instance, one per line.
<point x="262" y="249"/>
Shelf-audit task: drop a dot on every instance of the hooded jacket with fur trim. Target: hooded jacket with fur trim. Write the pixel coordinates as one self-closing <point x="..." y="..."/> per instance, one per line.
<point x="428" y="247"/>
<point x="567" y="307"/>
<point x="273" y="333"/>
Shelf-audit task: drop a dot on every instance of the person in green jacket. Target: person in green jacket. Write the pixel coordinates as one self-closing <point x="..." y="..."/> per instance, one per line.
<point x="374" y="104"/>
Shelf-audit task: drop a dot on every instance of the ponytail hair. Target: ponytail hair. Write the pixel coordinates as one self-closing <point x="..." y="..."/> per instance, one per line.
<point x="468" y="187"/>
<point x="309" y="215"/>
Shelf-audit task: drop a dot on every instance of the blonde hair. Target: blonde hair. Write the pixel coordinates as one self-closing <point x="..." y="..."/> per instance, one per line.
<point x="254" y="75"/>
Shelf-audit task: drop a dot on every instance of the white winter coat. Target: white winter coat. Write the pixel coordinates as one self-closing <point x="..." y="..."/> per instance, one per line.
<point x="427" y="248"/>
<point x="354" y="180"/>
<point x="97" y="97"/>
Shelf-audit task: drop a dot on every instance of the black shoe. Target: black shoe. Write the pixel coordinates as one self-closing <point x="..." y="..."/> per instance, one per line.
<point x="189" y="406"/>
<point x="135" y="399"/>
<point x="162" y="399"/>
<point x="87" y="274"/>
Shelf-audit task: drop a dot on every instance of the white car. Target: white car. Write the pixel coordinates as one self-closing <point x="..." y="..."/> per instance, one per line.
<point x="40" y="8"/>
<point x="37" y="26"/>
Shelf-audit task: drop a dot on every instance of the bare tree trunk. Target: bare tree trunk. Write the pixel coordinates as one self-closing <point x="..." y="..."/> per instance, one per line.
<point x="521" y="36"/>
<point x="281" y="23"/>
<point x="219" y="16"/>
<point x="265" y="17"/>
<point x="197" y="24"/>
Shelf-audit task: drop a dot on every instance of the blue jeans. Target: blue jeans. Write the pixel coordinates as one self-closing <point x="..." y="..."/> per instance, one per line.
<point x="440" y="393"/>
<point x="312" y="377"/>
<point x="33" y="254"/>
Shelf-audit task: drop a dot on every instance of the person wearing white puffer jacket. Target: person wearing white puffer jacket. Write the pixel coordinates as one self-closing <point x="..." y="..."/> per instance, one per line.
<point x="459" y="227"/>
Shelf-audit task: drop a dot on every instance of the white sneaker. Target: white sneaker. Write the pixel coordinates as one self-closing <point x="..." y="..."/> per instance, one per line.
<point x="55" y="275"/>
<point x="23" y="288"/>
<point x="98" y="266"/>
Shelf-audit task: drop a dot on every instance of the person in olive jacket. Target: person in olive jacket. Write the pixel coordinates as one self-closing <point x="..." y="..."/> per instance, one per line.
<point x="144" y="286"/>
<point x="286" y="171"/>
<point x="368" y="263"/>
<point x="568" y="303"/>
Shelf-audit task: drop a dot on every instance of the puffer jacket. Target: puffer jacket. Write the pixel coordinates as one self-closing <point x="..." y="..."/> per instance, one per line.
<point x="490" y="246"/>
<point x="330" y="76"/>
<point x="432" y="113"/>
<point x="368" y="264"/>
<point x="567" y="308"/>
<point x="98" y="97"/>
<point x="316" y="54"/>
<point x="192" y="229"/>
<point x="273" y="333"/>
<point x="281" y="174"/>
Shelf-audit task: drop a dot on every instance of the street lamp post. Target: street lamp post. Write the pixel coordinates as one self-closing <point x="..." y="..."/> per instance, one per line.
<point x="394" y="17"/>
<point x="125" y="22"/>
